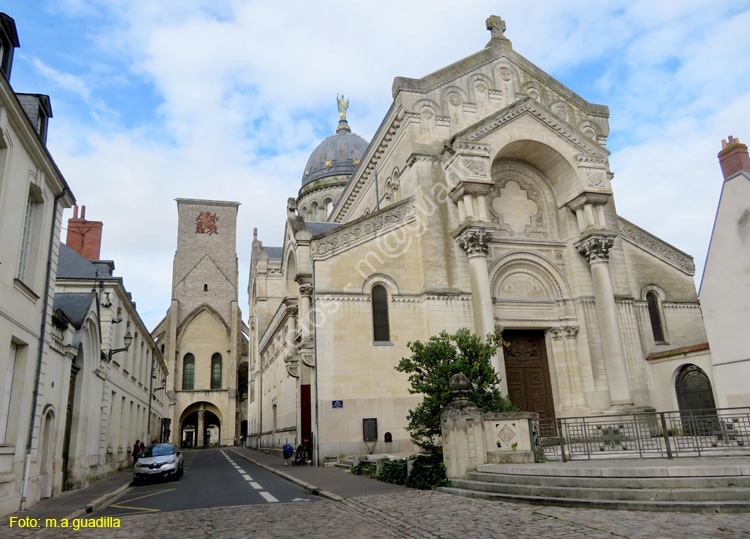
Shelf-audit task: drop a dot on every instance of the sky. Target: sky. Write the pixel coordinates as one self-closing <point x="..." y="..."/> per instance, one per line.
<point x="155" y="100"/>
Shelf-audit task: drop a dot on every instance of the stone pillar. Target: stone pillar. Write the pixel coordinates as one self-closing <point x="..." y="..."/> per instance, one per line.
<point x="462" y="430"/>
<point x="200" y="434"/>
<point x="474" y="240"/>
<point x="595" y="247"/>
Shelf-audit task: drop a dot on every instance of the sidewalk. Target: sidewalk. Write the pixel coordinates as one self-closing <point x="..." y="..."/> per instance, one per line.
<point x="77" y="503"/>
<point x="332" y="483"/>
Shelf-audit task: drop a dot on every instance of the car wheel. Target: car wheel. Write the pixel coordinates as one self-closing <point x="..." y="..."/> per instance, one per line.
<point x="180" y="472"/>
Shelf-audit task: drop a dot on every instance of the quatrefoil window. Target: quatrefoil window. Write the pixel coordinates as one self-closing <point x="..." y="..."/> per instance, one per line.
<point x="515" y="206"/>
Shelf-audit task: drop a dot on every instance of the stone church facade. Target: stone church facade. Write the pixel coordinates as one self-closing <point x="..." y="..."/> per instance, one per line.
<point x="483" y="201"/>
<point x="203" y="336"/>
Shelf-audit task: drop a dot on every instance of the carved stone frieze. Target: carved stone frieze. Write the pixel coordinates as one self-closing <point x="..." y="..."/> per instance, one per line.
<point x="474" y="240"/>
<point x="595" y="246"/>
<point x="659" y="248"/>
<point x="364" y="229"/>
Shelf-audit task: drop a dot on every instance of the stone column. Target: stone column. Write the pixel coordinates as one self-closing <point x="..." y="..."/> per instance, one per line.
<point x="474" y="241"/>
<point x="595" y="247"/>
<point x="200" y="435"/>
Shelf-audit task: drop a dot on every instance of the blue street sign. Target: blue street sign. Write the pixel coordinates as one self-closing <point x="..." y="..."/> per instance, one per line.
<point x="338" y="404"/>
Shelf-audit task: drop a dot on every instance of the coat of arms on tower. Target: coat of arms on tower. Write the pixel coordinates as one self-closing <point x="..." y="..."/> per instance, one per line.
<point x="205" y="223"/>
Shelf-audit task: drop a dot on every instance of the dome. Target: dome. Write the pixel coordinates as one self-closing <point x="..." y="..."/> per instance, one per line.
<point x="338" y="155"/>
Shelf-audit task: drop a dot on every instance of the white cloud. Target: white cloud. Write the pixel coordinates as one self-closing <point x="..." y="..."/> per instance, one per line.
<point x="245" y="90"/>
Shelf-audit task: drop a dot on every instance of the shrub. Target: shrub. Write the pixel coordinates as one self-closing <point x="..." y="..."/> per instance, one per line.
<point x="394" y="472"/>
<point x="428" y="472"/>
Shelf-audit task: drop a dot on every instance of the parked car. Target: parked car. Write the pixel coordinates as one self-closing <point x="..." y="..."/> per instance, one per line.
<point x="158" y="461"/>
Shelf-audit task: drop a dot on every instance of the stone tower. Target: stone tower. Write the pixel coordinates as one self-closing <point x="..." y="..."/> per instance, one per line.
<point x="202" y="334"/>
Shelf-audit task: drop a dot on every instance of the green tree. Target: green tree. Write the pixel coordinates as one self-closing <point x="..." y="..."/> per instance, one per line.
<point x="430" y="368"/>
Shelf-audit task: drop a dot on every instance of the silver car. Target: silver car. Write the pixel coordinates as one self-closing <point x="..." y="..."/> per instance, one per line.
<point x="157" y="462"/>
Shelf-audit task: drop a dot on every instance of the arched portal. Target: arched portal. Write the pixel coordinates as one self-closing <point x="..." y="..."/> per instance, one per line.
<point x="695" y="399"/>
<point x="200" y="426"/>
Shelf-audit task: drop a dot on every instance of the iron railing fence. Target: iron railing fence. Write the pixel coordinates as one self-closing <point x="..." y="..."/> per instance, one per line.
<point x="694" y="433"/>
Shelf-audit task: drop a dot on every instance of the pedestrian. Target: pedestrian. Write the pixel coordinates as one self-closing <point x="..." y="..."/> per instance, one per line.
<point x="143" y="446"/>
<point x="136" y="451"/>
<point x="243" y="440"/>
<point x="234" y="441"/>
<point x="288" y="452"/>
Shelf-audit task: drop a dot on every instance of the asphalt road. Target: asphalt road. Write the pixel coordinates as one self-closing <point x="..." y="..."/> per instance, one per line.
<point x="213" y="478"/>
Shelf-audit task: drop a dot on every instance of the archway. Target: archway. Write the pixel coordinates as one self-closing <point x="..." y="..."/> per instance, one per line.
<point x="695" y="399"/>
<point x="200" y="426"/>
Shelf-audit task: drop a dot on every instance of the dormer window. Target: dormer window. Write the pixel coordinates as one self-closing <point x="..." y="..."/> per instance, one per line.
<point x="8" y="43"/>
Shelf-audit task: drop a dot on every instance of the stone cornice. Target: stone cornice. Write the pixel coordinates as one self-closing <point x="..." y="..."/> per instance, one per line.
<point x="363" y="229"/>
<point x="659" y="248"/>
<point x="528" y="106"/>
<point x="283" y="312"/>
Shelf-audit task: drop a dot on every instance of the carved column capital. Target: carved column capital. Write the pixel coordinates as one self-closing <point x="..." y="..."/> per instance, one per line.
<point x="595" y="247"/>
<point x="557" y="334"/>
<point x="571" y="332"/>
<point x="474" y="240"/>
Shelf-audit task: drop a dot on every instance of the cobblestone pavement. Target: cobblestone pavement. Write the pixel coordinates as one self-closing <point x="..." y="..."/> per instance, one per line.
<point x="411" y="514"/>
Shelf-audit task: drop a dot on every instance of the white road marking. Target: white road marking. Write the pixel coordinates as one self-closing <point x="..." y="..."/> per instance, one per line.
<point x="269" y="497"/>
<point x="301" y="500"/>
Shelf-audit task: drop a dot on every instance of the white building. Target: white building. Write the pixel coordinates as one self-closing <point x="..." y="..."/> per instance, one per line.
<point x="33" y="194"/>
<point x="725" y="287"/>
<point x="114" y="399"/>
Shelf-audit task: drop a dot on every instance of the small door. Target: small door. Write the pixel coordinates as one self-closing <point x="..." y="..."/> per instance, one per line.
<point x="527" y="369"/>
<point x="696" y="401"/>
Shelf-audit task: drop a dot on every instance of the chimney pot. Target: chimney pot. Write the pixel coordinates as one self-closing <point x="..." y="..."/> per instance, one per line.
<point x="733" y="157"/>
<point x="84" y="237"/>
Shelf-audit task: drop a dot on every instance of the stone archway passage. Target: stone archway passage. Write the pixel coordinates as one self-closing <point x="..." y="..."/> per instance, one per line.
<point x="527" y="370"/>
<point x="210" y="425"/>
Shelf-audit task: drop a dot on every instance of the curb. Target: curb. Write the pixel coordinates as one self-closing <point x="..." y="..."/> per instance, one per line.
<point x="307" y="486"/>
<point x="98" y="502"/>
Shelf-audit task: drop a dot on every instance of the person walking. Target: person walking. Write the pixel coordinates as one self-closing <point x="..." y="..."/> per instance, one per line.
<point x="136" y="451"/>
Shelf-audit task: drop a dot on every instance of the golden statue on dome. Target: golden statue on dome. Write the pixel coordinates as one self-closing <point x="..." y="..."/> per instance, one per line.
<point x="343" y="105"/>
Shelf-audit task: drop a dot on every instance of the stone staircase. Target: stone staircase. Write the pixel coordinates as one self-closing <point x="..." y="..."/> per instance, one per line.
<point x="638" y="486"/>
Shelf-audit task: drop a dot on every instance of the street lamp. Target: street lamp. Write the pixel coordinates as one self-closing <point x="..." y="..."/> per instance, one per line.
<point x="112" y="351"/>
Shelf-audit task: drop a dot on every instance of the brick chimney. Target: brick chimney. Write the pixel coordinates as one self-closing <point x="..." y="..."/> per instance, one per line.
<point x="733" y="157"/>
<point x="84" y="237"/>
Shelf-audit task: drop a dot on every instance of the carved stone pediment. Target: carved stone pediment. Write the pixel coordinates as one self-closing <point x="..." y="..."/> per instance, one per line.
<point x="659" y="248"/>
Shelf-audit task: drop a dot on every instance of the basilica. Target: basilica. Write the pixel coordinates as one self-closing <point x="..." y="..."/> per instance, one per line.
<point x="485" y="201"/>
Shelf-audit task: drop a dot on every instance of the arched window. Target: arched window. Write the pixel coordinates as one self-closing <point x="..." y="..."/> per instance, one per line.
<point x="188" y="372"/>
<point x="216" y="371"/>
<point x="653" y="313"/>
<point x="381" y="328"/>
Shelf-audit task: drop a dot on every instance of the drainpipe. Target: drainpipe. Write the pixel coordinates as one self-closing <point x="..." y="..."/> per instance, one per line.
<point x="42" y="333"/>
<point x="316" y="444"/>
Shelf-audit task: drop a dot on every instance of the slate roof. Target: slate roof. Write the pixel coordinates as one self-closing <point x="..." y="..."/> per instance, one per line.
<point x="274" y="253"/>
<point x="320" y="228"/>
<point x="71" y="265"/>
<point x="75" y="305"/>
